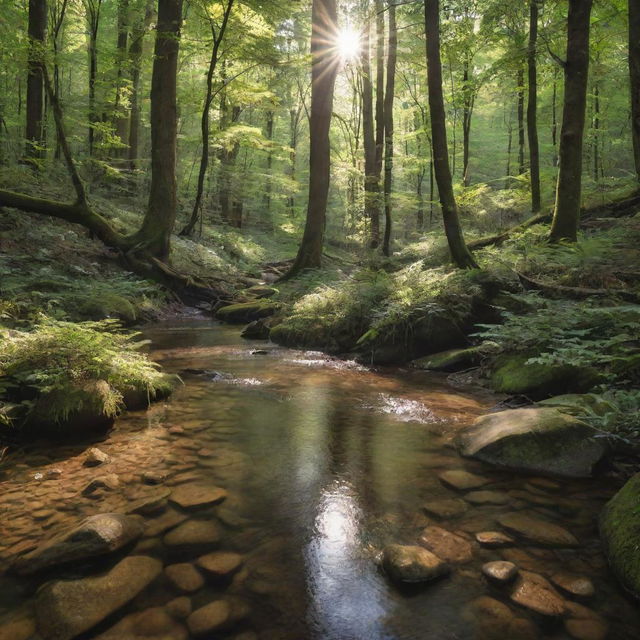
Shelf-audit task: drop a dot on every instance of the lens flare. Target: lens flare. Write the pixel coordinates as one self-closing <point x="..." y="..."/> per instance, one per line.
<point x="348" y="43"/>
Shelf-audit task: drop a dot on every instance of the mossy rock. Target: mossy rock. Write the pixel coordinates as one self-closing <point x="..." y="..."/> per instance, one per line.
<point x="535" y="440"/>
<point x="314" y="336"/>
<point x="453" y="359"/>
<point x="141" y="397"/>
<point x="620" y="532"/>
<point x="512" y="375"/>
<point x="245" y="312"/>
<point x="578" y="404"/>
<point x="256" y="330"/>
<point x="107" y="305"/>
<point x="260" y="291"/>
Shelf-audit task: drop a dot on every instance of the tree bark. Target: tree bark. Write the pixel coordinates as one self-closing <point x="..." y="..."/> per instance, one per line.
<point x="634" y="78"/>
<point x="521" y="128"/>
<point x="566" y="214"/>
<point x="467" y="112"/>
<point x="93" y="19"/>
<point x="35" y="87"/>
<point x="324" y="68"/>
<point x="379" y="117"/>
<point x="532" y="107"/>
<point x="460" y="254"/>
<point x="268" y="187"/>
<point x="160" y="216"/>
<point x="120" y="119"/>
<point x="389" y="95"/>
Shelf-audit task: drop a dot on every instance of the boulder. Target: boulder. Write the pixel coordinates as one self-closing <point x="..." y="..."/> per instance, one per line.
<point x="245" y="312"/>
<point x="537" y="531"/>
<point x="67" y="608"/>
<point x="136" y="398"/>
<point x="453" y="359"/>
<point x="95" y="536"/>
<point x="256" y="330"/>
<point x="536" y="439"/>
<point x="409" y="563"/>
<point x="620" y="532"/>
<point x="512" y="375"/>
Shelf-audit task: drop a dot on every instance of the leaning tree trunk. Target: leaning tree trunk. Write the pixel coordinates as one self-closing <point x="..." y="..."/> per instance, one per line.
<point x="457" y="246"/>
<point x="35" y="86"/>
<point x="389" y="94"/>
<point x="159" y="219"/>
<point x="532" y="107"/>
<point x="634" y="77"/>
<point x="566" y="214"/>
<point x="324" y="68"/>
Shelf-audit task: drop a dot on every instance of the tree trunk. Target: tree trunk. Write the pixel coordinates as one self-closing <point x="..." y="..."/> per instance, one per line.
<point x="467" y="111"/>
<point x="389" y="95"/>
<point x="460" y="254"/>
<point x="268" y="186"/>
<point x="120" y="118"/>
<point x="596" y="132"/>
<point x="532" y="107"/>
<point x="379" y="140"/>
<point x="93" y="19"/>
<point x="521" y="129"/>
<point x="324" y="68"/>
<point x="576" y="75"/>
<point x="35" y="86"/>
<point x="634" y="78"/>
<point x="159" y="219"/>
<point x="554" y="117"/>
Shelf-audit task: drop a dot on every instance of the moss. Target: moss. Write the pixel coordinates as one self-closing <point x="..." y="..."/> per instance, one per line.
<point x="451" y="360"/>
<point x="620" y="532"/>
<point x="578" y="404"/>
<point x="141" y="394"/>
<point x="107" y="305"/>
<point x="245" y="312"/>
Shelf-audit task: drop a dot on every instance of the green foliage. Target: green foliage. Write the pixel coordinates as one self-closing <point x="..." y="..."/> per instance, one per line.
<point x="616" y="412"/>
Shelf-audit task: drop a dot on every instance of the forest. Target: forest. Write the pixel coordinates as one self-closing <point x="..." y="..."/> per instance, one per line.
<point x="319" y="319"/>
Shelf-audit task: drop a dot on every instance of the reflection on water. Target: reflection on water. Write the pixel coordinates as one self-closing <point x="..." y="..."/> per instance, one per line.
<point x="325" y="462"/>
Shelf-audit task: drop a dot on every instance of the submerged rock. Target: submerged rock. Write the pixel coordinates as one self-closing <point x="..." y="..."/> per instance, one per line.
<point x="220" y="564"/>
<point x="462" y="480"/>
<point x="410" y="563"/>
<point x="67" y="608"/>
<point x="500" y="571"/>
<point x="95" y="457"/>
<point x="534" y="592"/>
<point x="447" y="545"/>
<point x="151" y="624"/>
<point x="184" y="577"/>
<point x="494" y="539"/>
<point x="494" y="620"/>
<point x="245" y="312"/>
<point x="194" y="496"/>
<point x="537" y="531"/>
<point x="577" y="586"/>
<point x="541" y="440"/>
<point x="193" y="535"/>
<point x="446" y="508"/>
<point x="96" y="536"/>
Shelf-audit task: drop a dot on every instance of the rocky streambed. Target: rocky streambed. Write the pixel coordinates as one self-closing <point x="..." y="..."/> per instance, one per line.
<point x="283" y="494"/>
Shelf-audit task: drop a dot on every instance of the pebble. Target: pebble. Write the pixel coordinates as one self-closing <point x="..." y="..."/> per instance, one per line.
<point x="500" y="571"/>
<point x="95" y="457"/>
<point x="494" y="539"/>
<point x="109" y="482"/>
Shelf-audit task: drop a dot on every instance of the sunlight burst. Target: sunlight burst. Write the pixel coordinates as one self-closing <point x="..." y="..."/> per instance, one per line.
<point x="348" y="43"/>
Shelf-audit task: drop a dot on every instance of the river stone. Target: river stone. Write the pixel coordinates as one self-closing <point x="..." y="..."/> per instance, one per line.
<point x="584" y="624"/>
<point x="486" y="497"/>
<point x="151" y="505"/>
<point x="152" y="624"/>
<point x="67" y="608"/>
<point x="494" y="539"/>
<point x="539" y="440"/>
<point x="169" y="519"/>
<point x="95" y="457"/>
<point x="446" y="508"/>
<point x="619" y="527"/>
<point x="494" y="620"/>
<point x="537" y="531"/>
<point x="500" y="571"/>
<point x="179" y="608"/>
<point x="109" y="482"/>
<point x="534" y="592"/>
<point x="578" y="586"/>
<point x="446" y="545"/>
<point x="220" y="564"/>
<point x="462" y="480"/>
<point x="193" y="533"/>
<point x="184" y="577"/>
<point x="194" y="496"/>
<point x="410" y="563"/>
<point x="95" y="536"/>
<point x="210" y="618"/>
<point x="17" y="626"/>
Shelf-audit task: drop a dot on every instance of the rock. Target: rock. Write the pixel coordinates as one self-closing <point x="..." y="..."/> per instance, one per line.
<point x="513" y="376"/>
<point x="500" y="571"/>
<point x="584" y="624"/>
<point x="534" y="592"/>
<point x="494" y="539"/>
<point x="577" y="404"/>
<point x="17" y="626"/>
<point x="210" y="618"/>
<point x="150" y="505"/>
<point x="577" y="586"/>
<point x="447" y="508"/>
<point x="153" y="477"/>
<point x="487" y="497"/>
<point x="184" y="577"/>
<point x="462" y="480"/>
<point x="157" y="526"/>
<point x="619" y="526"/>
<point x="220" y="564"/>
<point x="95" y="457"/>
<point x="451" y="360"/>
<point x="260" y="291"/>
<point x="95" y="536"/>
<point x="179" y="608"/>
<point x="408" y="563"/>
<point x="537" y="531"/>
<point x="494" y="620"/>
<point x="53" y="474"/>
<point x="540" y="440"/>
<point x="109" y="482"/>
<point x="256" y="330"/>
<point x="151" y="624"/>
<point x="67" y="608"/>
<point x="245" y="312"/>
<point x="446" y="545"/>
<point x="193" y="535"/>
<point x="138" y="398"/>
<point x="193" y="496"/>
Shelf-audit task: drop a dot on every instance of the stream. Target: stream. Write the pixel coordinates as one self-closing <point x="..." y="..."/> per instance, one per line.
<point x="325" y="462"/>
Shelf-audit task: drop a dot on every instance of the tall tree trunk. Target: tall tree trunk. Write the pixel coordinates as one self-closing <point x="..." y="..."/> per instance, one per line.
<point x="596" y="131"/>
<point x="160" y="217"/>
<point x="467" y="112"/>
<point x="93" y="18"/>
<point x="204" y="120"/>
<point x="371" y="185"/>
<point x="554" y="117"/>
<point x="507" y="181"/>
<point x="227" y="165"/>
<point x="120" y="118"/>
<point x="389" y="94"/>
<point x="35" y="85"/>
<point x="379" y="141"/>
<point x="634" y="78"/>
<point x="460" y="254"/>
<point x="268" y="187"/>
<point x="58" y="12"/>
<point x="576" y="75"/>
<point x="293" y="144"/>
<point x="532" y="107"/>
<point x="521" y="129"/>
<point x="324" y="68"/>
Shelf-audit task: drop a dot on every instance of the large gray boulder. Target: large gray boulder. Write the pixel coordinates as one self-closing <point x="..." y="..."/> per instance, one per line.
<point x="536" y="439"/>
<point x="67" y="608"/>
<point x="95" y="536"/>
